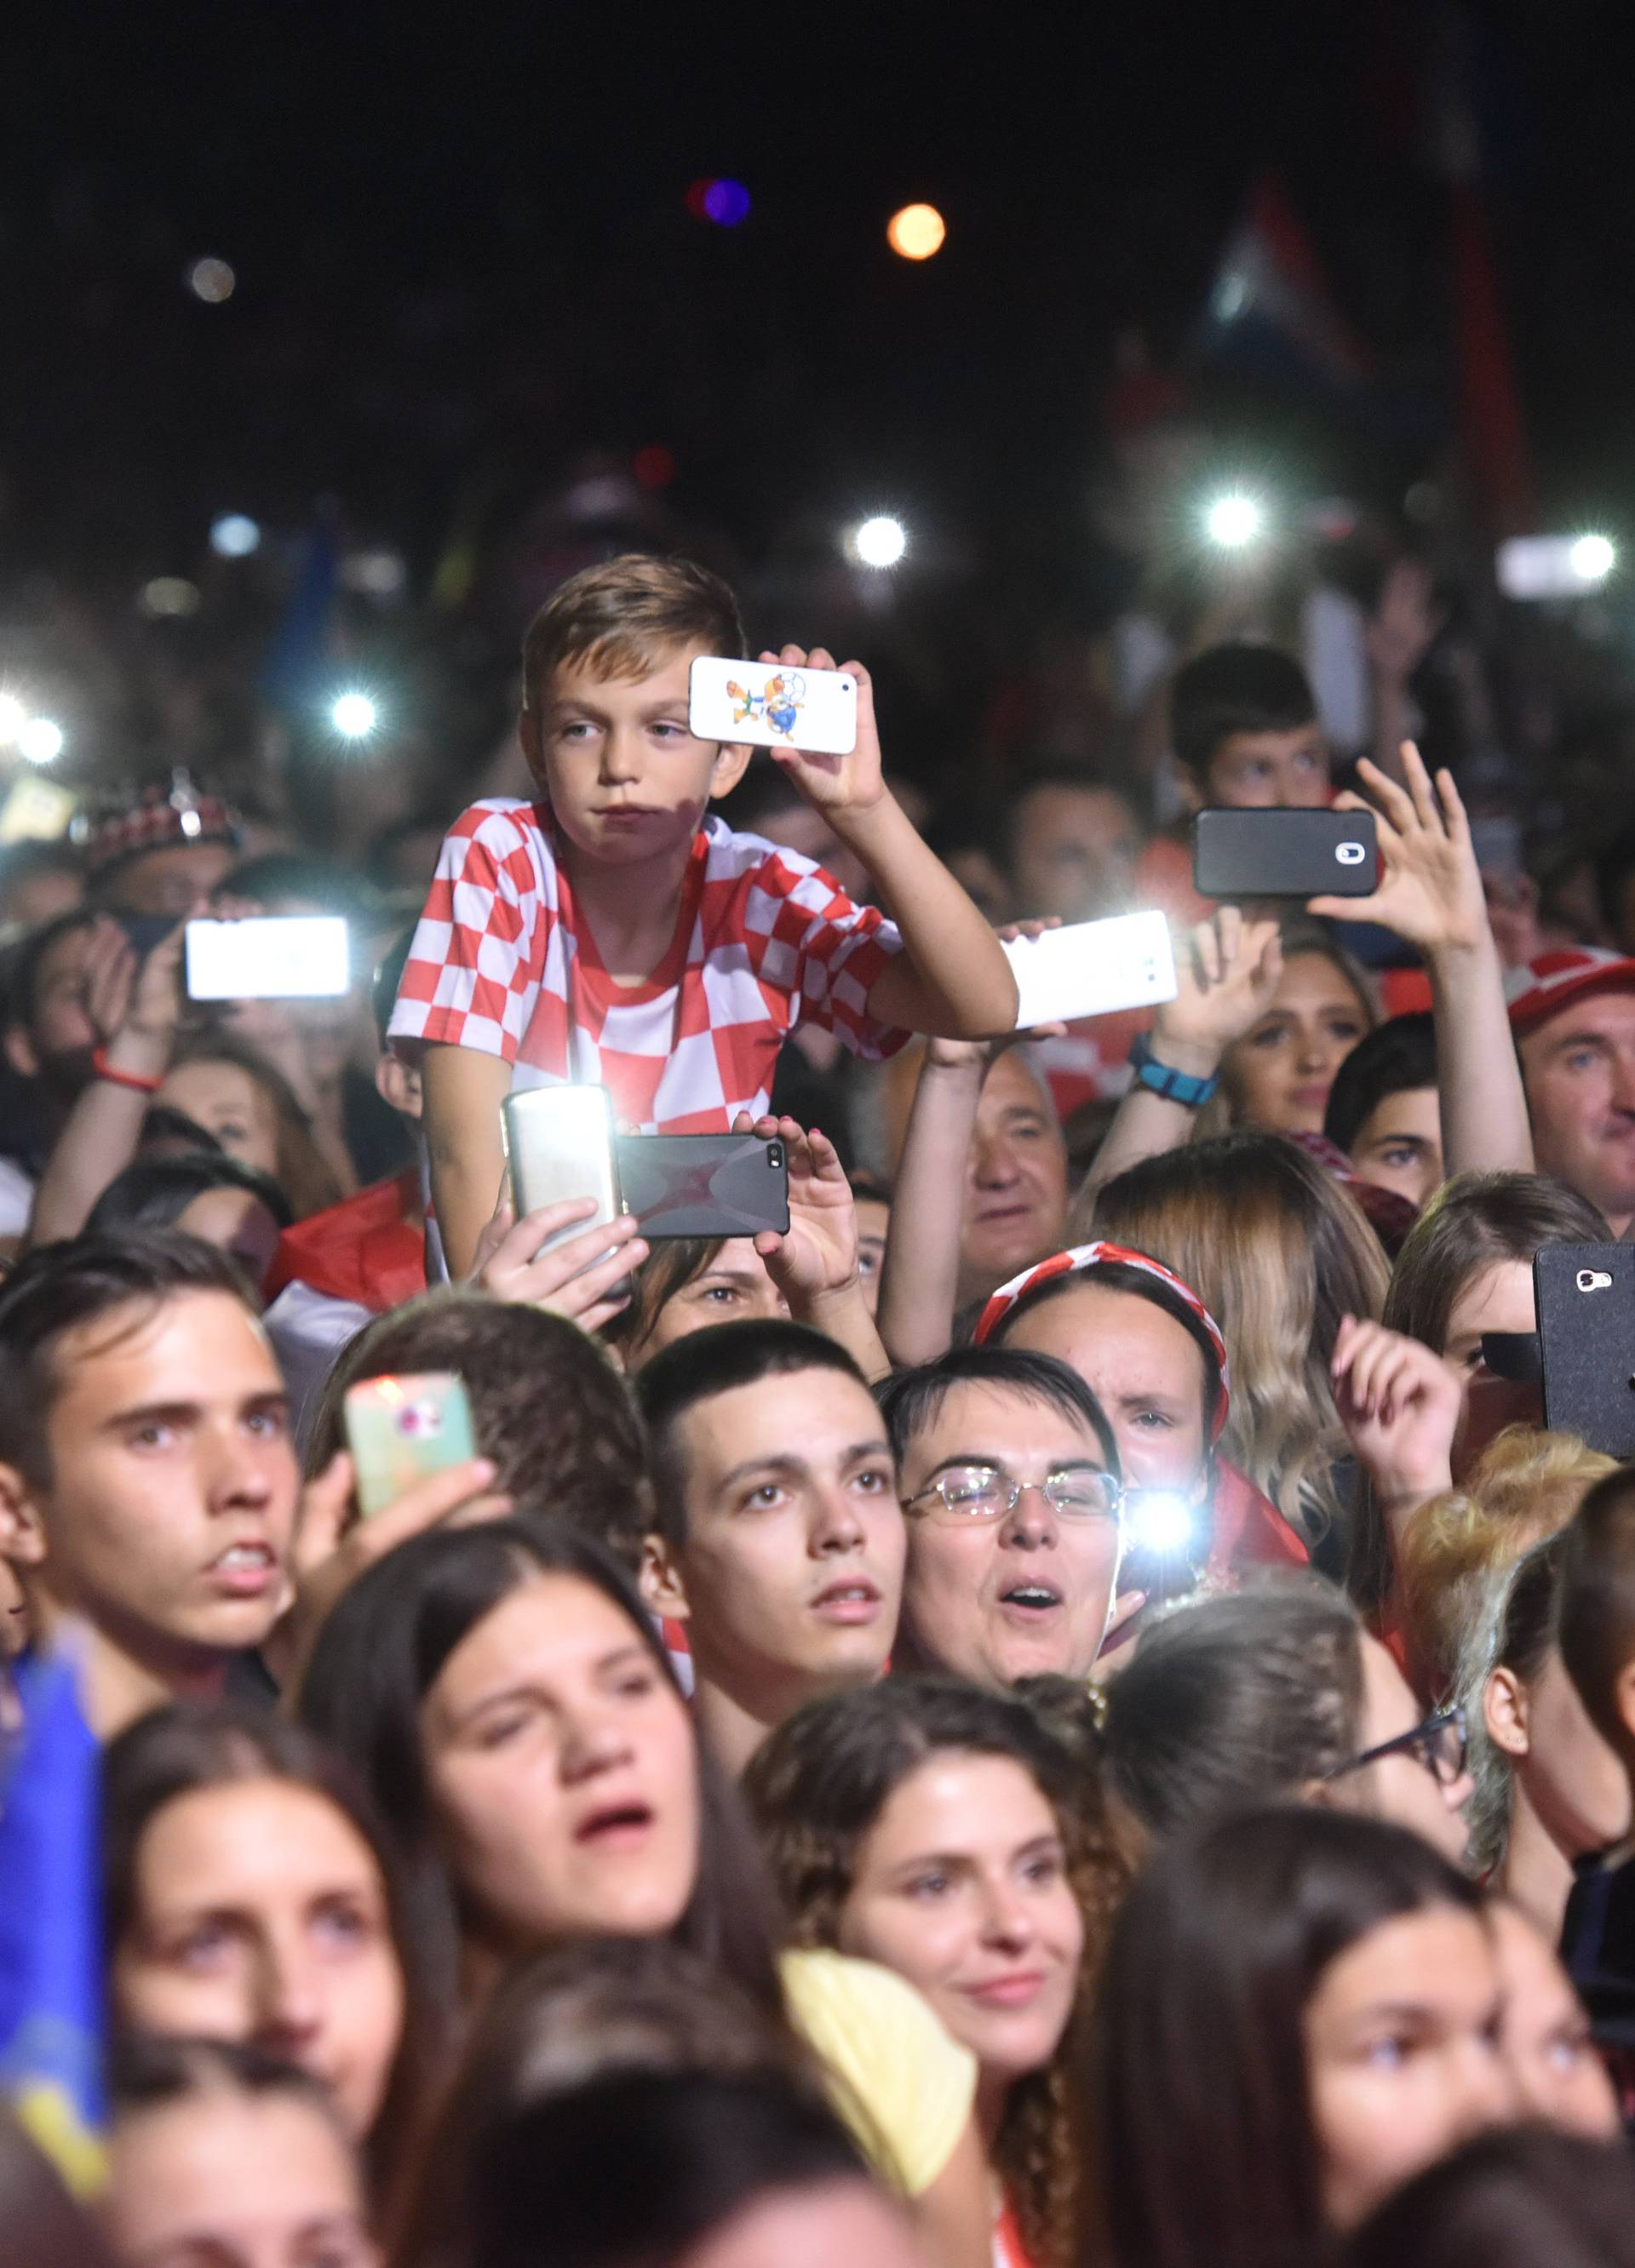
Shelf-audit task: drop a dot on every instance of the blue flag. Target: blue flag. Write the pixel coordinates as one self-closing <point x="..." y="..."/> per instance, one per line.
<point x="51" y="1960"/>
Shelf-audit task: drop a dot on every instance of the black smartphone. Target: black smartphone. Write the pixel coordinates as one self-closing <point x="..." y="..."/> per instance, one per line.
<point x="1514" y="1355"/>
<point x="703" y="1184"/>
<point x="145" y="931"/>
<point x="1586" y="1299"/>
<point x="1286" y="854"/>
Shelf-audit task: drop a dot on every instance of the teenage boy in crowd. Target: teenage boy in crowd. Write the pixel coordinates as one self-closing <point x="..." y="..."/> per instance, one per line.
<point x="610" y="933"/>
<point x="148" y="1485"/>
<point x="1009" y="1474"/>
<point x="780" y="1540"/>
<point x="1572" y="1013"/>
<point x="148" y="1482"/>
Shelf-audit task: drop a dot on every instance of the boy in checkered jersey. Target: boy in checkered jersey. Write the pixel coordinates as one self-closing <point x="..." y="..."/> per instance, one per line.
<point x="609" y="933"/>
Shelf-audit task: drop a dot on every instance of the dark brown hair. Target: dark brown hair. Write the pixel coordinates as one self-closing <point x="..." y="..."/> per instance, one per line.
<point x="302" y="1171"/>
<point x="59" y="1288"/>
<point x="1470" y="1225"/>
<point x="1203" y="2150"/>
<point x="186" y="1746"/>
<point x="582" y="2014"/>
<point x="818" y="1785"/>
<point x="380" y="1652"/>
<point x="622" y="616"/>
<point x="1596" y="1601"/>
<point x="546" y="1406"/>
<point x="1513" y="2198"/>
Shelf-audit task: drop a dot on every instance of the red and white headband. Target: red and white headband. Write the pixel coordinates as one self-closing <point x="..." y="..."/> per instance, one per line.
<point x="1079" y="1260"/>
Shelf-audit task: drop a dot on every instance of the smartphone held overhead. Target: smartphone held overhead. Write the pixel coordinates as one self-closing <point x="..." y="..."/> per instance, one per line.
<point x="562" y="1146"/>
<point x="773" y="705"/>
<point x="1092" y="969"/>
<point x="401" y="1430"/>
<point x="1286" y="854"/>
<point x="292" y="957"/>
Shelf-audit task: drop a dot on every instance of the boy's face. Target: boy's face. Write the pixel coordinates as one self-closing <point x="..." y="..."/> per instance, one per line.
<point x="1269" y="771"/>
<point x="167" y="1516"/>
<point x="624" y="774"/>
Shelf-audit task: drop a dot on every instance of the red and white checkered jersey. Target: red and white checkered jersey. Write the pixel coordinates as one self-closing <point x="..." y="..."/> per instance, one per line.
<point x="764" y="939"/>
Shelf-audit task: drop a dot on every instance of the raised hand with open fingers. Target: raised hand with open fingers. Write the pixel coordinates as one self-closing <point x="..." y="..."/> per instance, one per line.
<point x="1227" y="970"/>
<point x="817" y="1256"/>
<point x="836" y="784"/>
<point x="1430" y="890"/>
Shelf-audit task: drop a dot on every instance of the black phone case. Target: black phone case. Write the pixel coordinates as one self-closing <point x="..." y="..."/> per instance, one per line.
<point x="1286" y="854"/>
<point x="703" y="1184"/>
<point x="1587" y="1330"/>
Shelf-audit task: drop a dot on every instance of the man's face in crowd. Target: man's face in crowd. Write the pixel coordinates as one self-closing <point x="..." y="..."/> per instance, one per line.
<point x="791" y="1572"/>
<point x="1399" y="1145"/>
<point x="1579" y="1066"/>
<point x="168" y="883"/>
<point x="56" y="1043"/>
<point x="1015" y="1208"/>
<point x="1269" y="771"/>
<point x="996" y="1600"/>
<point x="1073" y="852"/>
<point x="166" y="1513"/>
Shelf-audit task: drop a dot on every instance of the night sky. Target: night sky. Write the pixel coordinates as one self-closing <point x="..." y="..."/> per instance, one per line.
<point x="464" y="258"/>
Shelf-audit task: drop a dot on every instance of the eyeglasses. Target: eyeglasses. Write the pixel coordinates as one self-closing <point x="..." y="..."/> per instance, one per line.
<point x="962" y="1494"/>
<point x="1440" y="1744"/>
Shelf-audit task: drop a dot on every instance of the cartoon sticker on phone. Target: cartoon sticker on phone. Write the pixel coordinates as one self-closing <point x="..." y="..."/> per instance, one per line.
<point x="778" y="703"/>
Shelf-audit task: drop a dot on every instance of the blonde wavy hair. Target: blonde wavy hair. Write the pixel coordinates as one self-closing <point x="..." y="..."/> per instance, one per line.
<point x="1278" y="1252"/>
<point x="1526" y="1485"/>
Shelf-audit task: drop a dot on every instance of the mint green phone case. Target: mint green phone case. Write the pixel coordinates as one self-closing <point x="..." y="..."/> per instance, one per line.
<point x="401" y="1430"/>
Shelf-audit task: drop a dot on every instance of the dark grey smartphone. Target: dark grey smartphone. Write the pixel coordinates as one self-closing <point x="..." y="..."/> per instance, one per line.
<point x="1286" y="854"/>
<point x="703" y="1184"/>
<point x="1586" y="1299"/>
<point x="145" y="931"/>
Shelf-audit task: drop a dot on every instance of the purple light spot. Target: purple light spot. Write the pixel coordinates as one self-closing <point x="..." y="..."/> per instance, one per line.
<point x="726" y="203"/>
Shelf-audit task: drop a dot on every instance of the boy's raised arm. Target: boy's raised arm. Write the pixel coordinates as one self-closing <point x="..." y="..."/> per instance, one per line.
<point x="952" y="979"/>
<point x="464" y="1088"/>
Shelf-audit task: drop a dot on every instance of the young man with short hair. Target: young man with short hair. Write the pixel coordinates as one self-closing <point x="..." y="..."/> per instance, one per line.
<point x="609" y="933"/>
<point x="1010" y="1476"/>
<point x="147" y="1484"/>
<point x="780" y="1540"/>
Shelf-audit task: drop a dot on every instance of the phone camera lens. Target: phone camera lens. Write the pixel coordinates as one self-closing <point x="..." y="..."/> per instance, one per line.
<point x="420" y="1421"/>
<point x="774" y="1155"/>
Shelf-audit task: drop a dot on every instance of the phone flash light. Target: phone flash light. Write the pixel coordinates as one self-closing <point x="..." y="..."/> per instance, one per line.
<point x="880" y="542"/>
<point x="1161" y="1521"/>
<point x="1232" y="521"/>
<point x="354" y="716"/>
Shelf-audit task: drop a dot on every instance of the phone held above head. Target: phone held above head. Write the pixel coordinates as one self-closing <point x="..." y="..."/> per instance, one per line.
<point x="1286" y="854"/>
<point x="561" y="1144"/>
<point x="268" y="957"/>
<point x="1093" y="968"/>
<point x="773" y="705"/>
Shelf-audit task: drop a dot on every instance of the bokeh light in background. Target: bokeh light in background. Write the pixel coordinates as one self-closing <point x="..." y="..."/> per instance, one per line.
<point x="41" y="740"/>
<point x="354" y="716"/>
<point x="877" y="543"/>
<point x="211" y="281"/>
<point x="1233" y="520"/>
<point x="653" y="467"/>
<point x="14" y="716"/>
<point x="724" y="202"/>
<point x="917" y="232"/>
<point x="234" y="535"/>
<point x="1593" y="558"/>
<point x="169" y="594"/>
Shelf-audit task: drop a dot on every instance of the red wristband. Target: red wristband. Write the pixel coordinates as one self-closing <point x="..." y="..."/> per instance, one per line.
<point x="104" y="1069"/>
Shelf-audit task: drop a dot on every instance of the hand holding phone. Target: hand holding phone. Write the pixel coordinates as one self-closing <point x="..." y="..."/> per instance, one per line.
<point x="559" y="1143"/>
<point x="704" y="1184"/>
<point x="401" y="1430"/>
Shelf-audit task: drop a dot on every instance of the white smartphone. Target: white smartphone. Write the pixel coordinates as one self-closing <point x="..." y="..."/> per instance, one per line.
<point x="268" y="957"/>
<point x="559" y="1141"/>
<point x="1093" y="968"/>
<point x="773" y="706"/>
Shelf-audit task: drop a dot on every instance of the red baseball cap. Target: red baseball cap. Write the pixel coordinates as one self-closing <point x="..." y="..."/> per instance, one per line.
<point x="1541" y="986"/>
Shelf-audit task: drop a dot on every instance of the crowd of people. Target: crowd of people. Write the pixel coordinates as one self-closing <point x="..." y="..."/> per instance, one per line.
<point x="1062" y="1712"/>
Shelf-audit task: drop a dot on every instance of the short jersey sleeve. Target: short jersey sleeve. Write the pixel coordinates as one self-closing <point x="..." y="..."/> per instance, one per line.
<point x="807" y="938"/>
<point x="903" y="2087"/>
<point x="474" y="970"/>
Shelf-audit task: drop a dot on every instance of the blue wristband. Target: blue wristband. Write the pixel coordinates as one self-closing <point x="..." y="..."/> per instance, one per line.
<point x="1175" y="1085"/>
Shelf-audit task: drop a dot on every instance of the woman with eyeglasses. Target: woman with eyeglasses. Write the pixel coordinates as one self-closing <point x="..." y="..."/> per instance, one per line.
<point x="1278" y="1693"/>
<point x="1299" y="2010"/>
